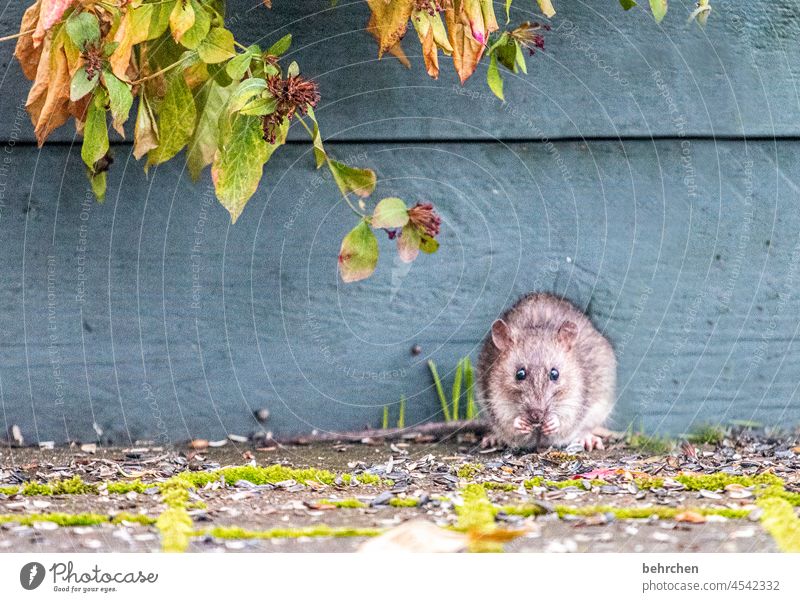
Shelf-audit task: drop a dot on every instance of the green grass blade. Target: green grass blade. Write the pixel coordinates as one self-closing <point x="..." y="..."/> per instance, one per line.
<point x="401" y="419"/>
<point x="385" y="417"/>
<point x="457" y="388"/>
<point x="439" y="390"/>
<point x="469" y="379"/>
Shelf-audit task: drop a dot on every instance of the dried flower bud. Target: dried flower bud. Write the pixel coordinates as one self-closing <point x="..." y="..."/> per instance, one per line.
<point x="425" y="218"/>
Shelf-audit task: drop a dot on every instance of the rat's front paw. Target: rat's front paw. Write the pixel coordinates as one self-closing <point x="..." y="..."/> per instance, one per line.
<point x="590" y="442"/>
<point x="551" y="425"/>
<point x="521" y="425"/>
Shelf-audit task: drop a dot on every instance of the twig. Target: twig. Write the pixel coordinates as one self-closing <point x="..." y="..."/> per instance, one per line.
<point x="16" y="35"/>
<point x="437" y="430"/>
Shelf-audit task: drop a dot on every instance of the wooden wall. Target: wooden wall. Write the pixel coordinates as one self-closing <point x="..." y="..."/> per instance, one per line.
<point x="648" y="172"/>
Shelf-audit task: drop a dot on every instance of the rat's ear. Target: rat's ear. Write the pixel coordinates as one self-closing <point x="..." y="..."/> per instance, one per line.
<point x="567" y="333"/>
<point x="501" y="335"/>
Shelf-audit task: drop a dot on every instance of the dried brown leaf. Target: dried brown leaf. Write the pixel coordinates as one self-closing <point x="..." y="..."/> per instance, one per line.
<point x="27" y="52"/>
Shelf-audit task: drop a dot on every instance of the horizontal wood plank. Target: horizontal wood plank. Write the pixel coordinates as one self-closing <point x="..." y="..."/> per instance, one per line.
<point x="153" y="317"/>
<point x="605" y="73"/>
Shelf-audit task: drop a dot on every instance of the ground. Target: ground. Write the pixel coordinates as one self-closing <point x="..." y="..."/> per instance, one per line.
<point x="740" y="493"/>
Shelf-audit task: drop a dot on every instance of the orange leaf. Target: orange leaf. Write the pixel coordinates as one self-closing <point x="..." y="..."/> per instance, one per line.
<point x="48" y="100"/>
<point x="430" y="53"/>
<point x="396" y="50"/>
<point x="390" y="20"/>
<point x="27" y="51"/>
<point x="690" y="516"/>
<point x="466" y="51"/>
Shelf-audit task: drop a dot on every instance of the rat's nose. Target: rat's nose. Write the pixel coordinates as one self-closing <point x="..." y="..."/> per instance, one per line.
<point x="536" y="416"/>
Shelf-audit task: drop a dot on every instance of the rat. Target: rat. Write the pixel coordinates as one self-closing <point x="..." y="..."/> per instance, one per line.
<point x="546" y="375"/>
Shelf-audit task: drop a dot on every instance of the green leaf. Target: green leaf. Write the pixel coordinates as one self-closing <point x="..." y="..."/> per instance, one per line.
<point x="82" y="29"/>
<point x="547" y="8"/>
<point x="281" y="46"/>
<point x="145" y="132"/>
<point x="358" y="255"/>
<point x="239" y="163"/>
<point x="98" y="184"/>
<point x="353" y="179"/>
<point x="176" y="118"/>
<point x="408" y="243"/>
<point x="120" y="100"/>
<point x="181" y="19"/>
<point x="390" y="212"/>
<point x="246" y="91"/>
<point x="428" y="244"/>
<point x="627" y="4"/>
<point x="160" y="17"/>
<point x="506" y="54"/>
<point x="199" y="29"/>
<point x="320" y="156"/>
<point x="95" y="132"/>
<point x="260" y="106"/>
<point x="205" y="140"/>
<point x="520" y="58"/>
<point x="508" y="10"/>
<point x="294" y="69"/>
<point x="217" y="46"/>
<point x="659" y="8"/>
<point x="81" y="85"/>
<point x="494" y="79"/>
<point x="239" y="64"/>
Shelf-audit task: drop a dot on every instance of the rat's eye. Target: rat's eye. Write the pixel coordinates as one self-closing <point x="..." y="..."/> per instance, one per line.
<point x="553" y="374"/>
<point x="521" y="374"/>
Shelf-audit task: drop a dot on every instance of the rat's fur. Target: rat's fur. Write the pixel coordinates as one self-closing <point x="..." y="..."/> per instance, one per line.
<point x="538" y="333"/>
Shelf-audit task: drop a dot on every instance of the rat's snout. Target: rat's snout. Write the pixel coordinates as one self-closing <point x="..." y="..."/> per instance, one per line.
<point x="544" y="419"/>
<point x="536" y="416"/>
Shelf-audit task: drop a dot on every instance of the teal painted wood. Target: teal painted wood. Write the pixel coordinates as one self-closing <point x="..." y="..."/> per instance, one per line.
<point x="605" y="73"/>
<point x="153" y="317"/>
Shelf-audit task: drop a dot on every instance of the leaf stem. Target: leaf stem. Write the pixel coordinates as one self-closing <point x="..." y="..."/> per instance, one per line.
<point x="159" y="72"/>
<point x="16" y="35"/>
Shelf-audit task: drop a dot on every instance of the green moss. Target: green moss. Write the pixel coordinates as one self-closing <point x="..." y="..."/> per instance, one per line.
<point x="649" y="482"/>
<point x="60" y="518"/>
<point x="707" y="434"/>
<point x="780" y="521"/>
<point x="493" y="486"/>
<point x="288" y="533"/>
<point x="73" y="486"/>
<point x="123" y="487"/>
<point x="779" y="492"/>
<point x="663" y="512"/>
<point x="719" y="480"/>
<point x="259" y="475"/>
<point x="346" y="503"/>
<point x="9" y="490"/>
<point x="523" y="510"/>
<point x="469" y="470"/>
<point x="476" y="517"/>
<point x="31" y="488"/>
<point x="126" y="517"/>
<point x="542" y="482"/>
<point x="175" y="526"/>
<point x="366" y="478"/>
<point x="404" y="502"/>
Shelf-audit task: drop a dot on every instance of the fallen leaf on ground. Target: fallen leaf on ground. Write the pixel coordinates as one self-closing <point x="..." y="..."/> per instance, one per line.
<point x="417" y="536"/>
<point x="690" y="516"/>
